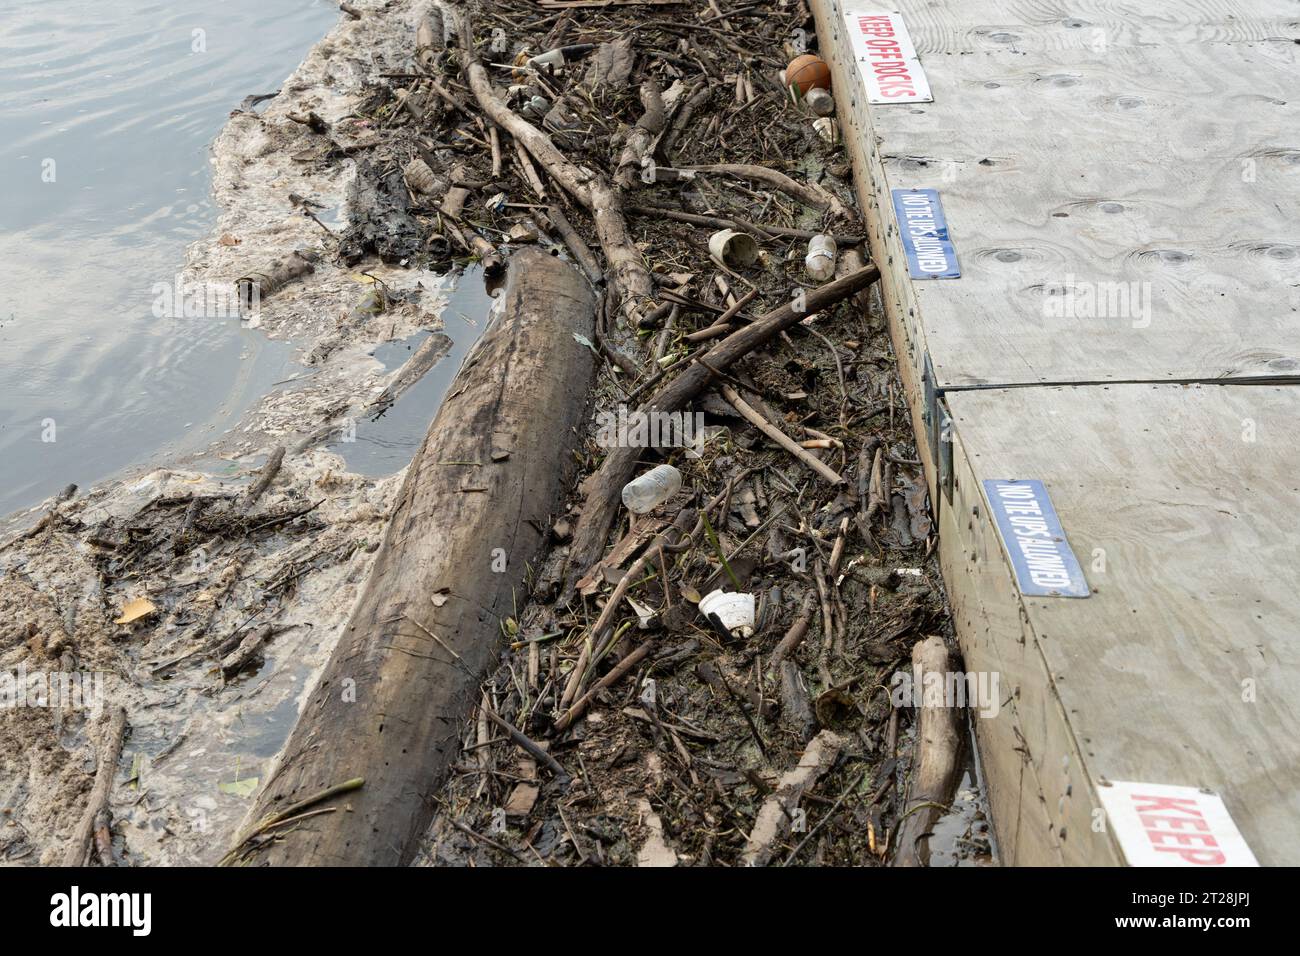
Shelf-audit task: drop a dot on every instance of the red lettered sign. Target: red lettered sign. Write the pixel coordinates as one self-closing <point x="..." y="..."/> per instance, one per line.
<point x="1162" y="825"/>
<point x="886" y="58"/>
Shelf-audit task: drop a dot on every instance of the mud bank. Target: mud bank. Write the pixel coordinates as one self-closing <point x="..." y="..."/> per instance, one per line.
<point x="677" y="740"/>
<point x="174" y="535"/>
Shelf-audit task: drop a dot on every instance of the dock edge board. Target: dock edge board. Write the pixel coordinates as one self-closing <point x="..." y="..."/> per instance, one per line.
<point x="1040" y="774"/>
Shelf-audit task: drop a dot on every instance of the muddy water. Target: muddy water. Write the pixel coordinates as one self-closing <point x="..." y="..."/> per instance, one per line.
<point x="962" y="836"/>
<point x="107" y="109"/>
<point x="384" y="445"/>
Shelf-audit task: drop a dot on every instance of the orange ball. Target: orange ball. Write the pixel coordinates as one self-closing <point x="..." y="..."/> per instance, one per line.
<point x="808" y="72"/>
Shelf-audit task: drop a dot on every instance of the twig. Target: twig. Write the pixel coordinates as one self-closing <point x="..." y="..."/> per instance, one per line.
<point x="795" y="635"/>
<point x="808" y="194"/>
<point x="829" y="815"/>
<point x="527" y="743"/>
<point x="100" y="792"/>
<point x="529" y="171"/>
<point x="489" y="841"/>
<point x="740" y="705"/>
<point x="615" y="674"/>
<point x="751" y="415"/>
<point x="264" y="479"/>
<point x="576" y="245"/>
<point x="761" y="231"/>
<point x="274" y="819"/>
<point x="722" y="325"/>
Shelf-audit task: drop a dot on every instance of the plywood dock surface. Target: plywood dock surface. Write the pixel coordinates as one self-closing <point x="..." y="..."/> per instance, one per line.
<point x="1182" y="503"/>
<point x="1049" y="26"/>
<point x="1142" y="160"/>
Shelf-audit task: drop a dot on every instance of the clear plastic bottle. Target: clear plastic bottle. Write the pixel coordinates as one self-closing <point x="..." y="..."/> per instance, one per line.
<point x="649" y="491"/>
<point x="820" y="101"/>
<point x="820" y="262"/>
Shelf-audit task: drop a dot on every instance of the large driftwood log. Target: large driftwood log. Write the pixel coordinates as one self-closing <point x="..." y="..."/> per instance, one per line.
<point x="938" y="746"/>
<point x="479" y="494"/>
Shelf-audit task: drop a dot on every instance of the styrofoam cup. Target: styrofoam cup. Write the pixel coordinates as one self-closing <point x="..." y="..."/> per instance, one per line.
<point x="734" y="609"/>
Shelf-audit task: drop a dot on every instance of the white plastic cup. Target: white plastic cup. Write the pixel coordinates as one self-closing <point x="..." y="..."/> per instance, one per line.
<point x="735" y="610"/>
<point x="649" y="491"/>
<point x="732" y="248"/>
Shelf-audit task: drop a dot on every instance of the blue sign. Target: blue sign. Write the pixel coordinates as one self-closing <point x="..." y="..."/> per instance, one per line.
<point x="924" y="231"/>
<point x="1032" y="534"/>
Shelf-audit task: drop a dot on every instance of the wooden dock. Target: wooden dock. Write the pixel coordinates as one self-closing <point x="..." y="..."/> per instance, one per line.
<point x="1121" y="185"/>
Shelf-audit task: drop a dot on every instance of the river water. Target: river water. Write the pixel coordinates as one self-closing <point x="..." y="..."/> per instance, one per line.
<point x="107" y="110"/>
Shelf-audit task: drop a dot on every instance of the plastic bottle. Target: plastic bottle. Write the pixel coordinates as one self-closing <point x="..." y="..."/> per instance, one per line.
<point x="551" y="58"/>
<point x="649" y="491"/>
<point x="422" y="179"/>
<point x="820" y="101"/>
<point x="820" y="261"/>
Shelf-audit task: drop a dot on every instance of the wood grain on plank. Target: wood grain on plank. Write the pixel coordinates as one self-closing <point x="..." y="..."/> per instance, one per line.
<point x="1181" y="667"/>
<point x="1121" y="212"/>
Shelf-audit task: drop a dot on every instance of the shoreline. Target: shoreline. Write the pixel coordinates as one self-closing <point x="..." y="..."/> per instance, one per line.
<point x="215" y="603"/>
<point x="253" y="172"/>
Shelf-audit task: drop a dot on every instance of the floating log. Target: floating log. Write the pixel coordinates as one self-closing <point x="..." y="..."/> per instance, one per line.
<point x="474" y="512"/>
<point x="938" y="749"/>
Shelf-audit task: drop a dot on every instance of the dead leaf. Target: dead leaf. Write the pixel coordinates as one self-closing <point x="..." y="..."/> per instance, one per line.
<point x="134" y="610"/>
<point x="228" y="240"/>
<point x="521" y="800"/>
<point x="239" y="788"/>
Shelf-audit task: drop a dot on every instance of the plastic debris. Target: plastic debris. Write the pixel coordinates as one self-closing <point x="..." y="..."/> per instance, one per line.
<point x="735" y="609"/>
<point x="820" y="261"/>
<point x="732" y="248"/>
<point x="652" y="489"/>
